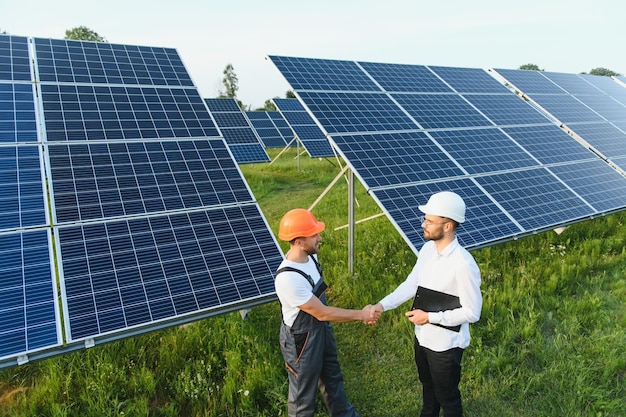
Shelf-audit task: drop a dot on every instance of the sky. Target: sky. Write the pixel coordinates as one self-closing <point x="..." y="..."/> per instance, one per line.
<point x="571" y="36"/>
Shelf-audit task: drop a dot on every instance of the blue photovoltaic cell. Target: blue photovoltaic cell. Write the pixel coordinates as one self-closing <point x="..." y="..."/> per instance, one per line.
<point x="549" y="144"/>
<point x="92" y="112"/>
<point x="14" y="59"/>
<point x="584" y="178"/>
<point x="604" y="137"/>
<point x="357" y="112"/>
<point x="282" y="125"/>
<point x="572" y="83"/>
<point x="506" y="109"/>
<point x="530" y="82"/>
<point x="536" y="199"/>
<point x="434" y="111"/>
<point x="22" y="202"/>
<point x="484" y="150"/>
<point x="605" y="106"/>
<point x="97" y="181"/>
<point x="405" y="78"/>
<point x="267" y="130"/>
<point x="28" y="294"/>
<point x="566" y="108"/>
<point x="382" y="160"/>
<point x="68" y="61"/>
<point x="608" y="86"/>
<point x="137" y="271"/>
<point x="324" y="74"/>
<point x="470" y="80"/>
<point x="239" y="135"/>
<point x="309" y="133"/>
<point x="18" y="123"/>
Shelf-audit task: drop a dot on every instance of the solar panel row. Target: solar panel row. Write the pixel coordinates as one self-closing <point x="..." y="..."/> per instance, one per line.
<point x="408" y="131"/>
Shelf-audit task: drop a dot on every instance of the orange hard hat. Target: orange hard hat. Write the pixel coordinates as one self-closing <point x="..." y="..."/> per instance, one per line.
<point x="299" y="223"/>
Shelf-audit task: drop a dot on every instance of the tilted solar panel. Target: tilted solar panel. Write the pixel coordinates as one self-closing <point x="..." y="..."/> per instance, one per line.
<point x="310" y="135"/>
<point x="585" y="104"/>
<point x="27" y="289"/>
<point x="419" y="130"/>
<point x="29" y="309"/>
<point x="152" y="222"/>
<point x="267" y="130"/>
<point x="242" y="141"/>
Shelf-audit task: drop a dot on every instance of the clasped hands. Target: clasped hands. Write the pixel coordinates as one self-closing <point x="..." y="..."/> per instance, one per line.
<point x="373" y="312"/>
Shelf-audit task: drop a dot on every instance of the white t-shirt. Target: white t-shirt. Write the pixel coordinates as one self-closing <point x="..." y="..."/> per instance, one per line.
<point x="452" y="271"/>
<point x="293" y="289"/>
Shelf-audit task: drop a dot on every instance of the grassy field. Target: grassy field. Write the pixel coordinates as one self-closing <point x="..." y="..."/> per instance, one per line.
<point x="550" y="342"/>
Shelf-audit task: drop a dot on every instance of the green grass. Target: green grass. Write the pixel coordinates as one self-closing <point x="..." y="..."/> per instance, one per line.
<point x="550" y="342"/>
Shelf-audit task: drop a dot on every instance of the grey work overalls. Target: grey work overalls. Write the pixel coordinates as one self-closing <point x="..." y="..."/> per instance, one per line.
<point x="310" y="354"/>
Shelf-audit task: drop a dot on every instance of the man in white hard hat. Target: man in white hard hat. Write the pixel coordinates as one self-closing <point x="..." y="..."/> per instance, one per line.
<point x="445" y="274"/>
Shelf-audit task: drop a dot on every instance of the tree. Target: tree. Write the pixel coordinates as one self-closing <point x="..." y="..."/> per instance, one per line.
<point x="603" y="72"/>
<point x="290" y="94"/>
<point x="230" y="81"/>
<point x="267" y="106"/>
<point x="82" y="33"/>
<point x="531" y="67"/>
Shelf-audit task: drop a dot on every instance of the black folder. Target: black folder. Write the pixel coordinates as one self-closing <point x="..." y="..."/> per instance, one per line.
<point x="434" y="301"/>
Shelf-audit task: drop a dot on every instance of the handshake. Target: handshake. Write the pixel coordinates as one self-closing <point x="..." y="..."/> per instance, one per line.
<point x="371" y="313"/>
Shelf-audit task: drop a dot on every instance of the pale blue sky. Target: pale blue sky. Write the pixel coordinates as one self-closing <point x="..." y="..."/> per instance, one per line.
<point x="558" y="35"/>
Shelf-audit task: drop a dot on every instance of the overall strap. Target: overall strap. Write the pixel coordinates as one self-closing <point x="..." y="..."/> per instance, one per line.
<point x="318" y="289"/>
<point x="304" y="274"/>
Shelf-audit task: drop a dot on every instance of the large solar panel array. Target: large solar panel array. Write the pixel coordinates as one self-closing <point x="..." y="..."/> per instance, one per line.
<point x="309" y="133"/>
<point x="593" y="107"/>
<point x="241" y="138"/>
<point x="408" y="131"/>
<point x="271" y="128"/>
<point x="152" y="221"/>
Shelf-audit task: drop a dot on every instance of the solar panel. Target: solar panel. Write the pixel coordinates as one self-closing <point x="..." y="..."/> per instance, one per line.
<point x="311" y="136"/>
<point x="27" y="288"/>
<point x="281" y="124"/>
<point x="29" y="299"/>
<point x="266" y="128"/>
<point x="585" y="103"/>
<point x="152" y="221"/>
<point x="242" y="141"/>
<point x="408" y="131"/>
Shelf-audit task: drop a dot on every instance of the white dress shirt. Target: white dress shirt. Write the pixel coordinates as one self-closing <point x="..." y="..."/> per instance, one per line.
<point x="453" y="271"/>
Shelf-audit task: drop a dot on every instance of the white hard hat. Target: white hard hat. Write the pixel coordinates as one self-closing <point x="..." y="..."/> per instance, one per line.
<point x="445" y="204"/>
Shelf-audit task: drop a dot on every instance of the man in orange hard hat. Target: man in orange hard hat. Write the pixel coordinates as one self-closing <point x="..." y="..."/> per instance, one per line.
<point x="445" y="284"/>
<point x="307" y="341"/>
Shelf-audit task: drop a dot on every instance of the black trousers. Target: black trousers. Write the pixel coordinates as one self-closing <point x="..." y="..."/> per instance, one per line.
<point x="440" y="374"/>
